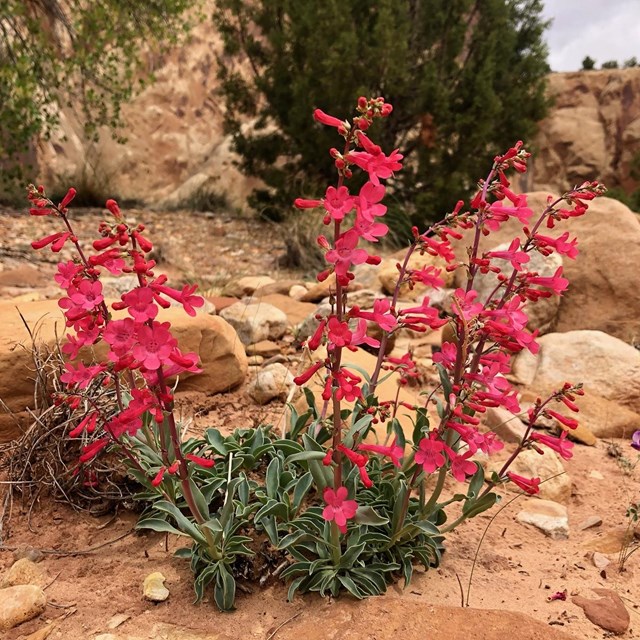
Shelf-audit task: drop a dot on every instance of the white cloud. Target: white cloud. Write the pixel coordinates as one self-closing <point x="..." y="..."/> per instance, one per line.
<point x="603" y="30"/>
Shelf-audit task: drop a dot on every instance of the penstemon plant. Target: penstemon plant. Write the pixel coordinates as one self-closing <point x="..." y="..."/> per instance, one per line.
<point x="346" y="498"/>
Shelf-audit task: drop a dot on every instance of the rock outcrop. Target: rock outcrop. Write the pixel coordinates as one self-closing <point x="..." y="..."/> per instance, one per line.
<point x="592" y="131"/>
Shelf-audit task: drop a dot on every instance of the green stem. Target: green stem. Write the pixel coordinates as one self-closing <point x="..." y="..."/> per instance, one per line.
<point x="437" y="490"/>
<point x="336" y="548"/>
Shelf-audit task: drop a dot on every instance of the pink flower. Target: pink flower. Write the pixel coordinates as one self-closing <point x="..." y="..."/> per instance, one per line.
<point x="141" y="304"/>
<point x="111" y="260"/>
<point x="324" y="118"/>
<point x="88" y="424"/>
<point x="571" y="423"/>
<point x="360" y="337"/>
<point x="338" y="508"/>
<point x="56" y="240"/>
<point x="461" y="466"/>
<point x="447" y="355"/>
<point x="429" y="453"/>
<point x="305" y="376"/>
<point x="374" y="161"/>
<point x="556" y="282"/>
<point x="81" y="376"/>
<point x="339" y="334"/>
<point x="86" y="295"/>
<point x="381" y="314"/>
<point x="67" y="271"/>
<point x="128" y="421"/>
<point x="513" y="254"/>
<point x="429" y="276"/>
<point x="120" y="335"/>
<point x="370" y="230"/>
<point x="338" y="202"/>
<point x="415" y="317"/>
<point x="93" y="449"/>
<point x="528" y="485"/>
<point x="155" y="345"/>
<point x="360" y="461"/>
<point x="393" y="451"/>
<point x="345" y="254"/>
<point x="185" y="297"/>
<point x="206" y="463"/>
<point x="302" y="203"/>
<point x="498" y="214"/>
<point x="465" y="305"/>
<point x="545" y="245"/>
<point x="347" y="385"/>
<point x="368" y="201"/>
<point x="560" y="445"/>
<point x="437" y="248"/>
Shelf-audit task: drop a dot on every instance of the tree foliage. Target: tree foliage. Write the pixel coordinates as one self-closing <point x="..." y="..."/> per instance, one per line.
<point x="466" y="78"/>
<point x="80" y="53"/>
<point x="588" y="64"/>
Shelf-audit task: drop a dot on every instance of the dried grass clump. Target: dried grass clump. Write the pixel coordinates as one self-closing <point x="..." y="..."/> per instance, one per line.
<point x="43" y="462"/>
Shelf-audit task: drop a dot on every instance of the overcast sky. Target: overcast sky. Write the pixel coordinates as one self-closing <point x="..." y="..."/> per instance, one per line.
<point x="602" y="29"/>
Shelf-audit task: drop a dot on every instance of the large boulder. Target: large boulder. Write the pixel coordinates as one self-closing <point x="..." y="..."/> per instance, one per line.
<point x="607" y="366"/>
<point x="603" y="290"/>
<point x="256" y="321"/>
<point x="222" y="356"/>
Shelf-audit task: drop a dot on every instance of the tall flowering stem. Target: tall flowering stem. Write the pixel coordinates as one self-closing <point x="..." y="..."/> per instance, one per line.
<point x="486" y="333"/>
<point x="142" y="350"/>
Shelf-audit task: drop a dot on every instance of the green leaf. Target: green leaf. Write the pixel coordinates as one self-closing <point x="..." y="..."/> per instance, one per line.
<point x="182" y="521"/>
<point x="350" y="556"/>
<point x="444" y="379"/>
<point x="311" y="401"/>
<point x="472" y="508"/>
<point x="213" y="524"/>
<point x="224" y="591"/>
<point x="476" y="482"/>
<point x="226" y="513"/>
<point x="306" y="456"/>
<point x="199" y="499"/>
<point x="302" y="487"/>
<point x="293" y="587"/>
<point x="367" y="515"/>
<point x="352" y="587"/>
<point x="156" y="524"/>
<point x="397" y="520"/>
<point x="272" y="508"/>
<point x="215" y="439"/>
<point x="288" y="447"/>
<point x="293" y="538"/>
<point x="184" y="552"/>
<point x="272" y="477"/>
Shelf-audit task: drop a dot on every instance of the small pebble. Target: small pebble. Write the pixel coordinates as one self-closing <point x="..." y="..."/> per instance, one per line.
<point x="154" y="589"/>
<point x="588" y="523"/>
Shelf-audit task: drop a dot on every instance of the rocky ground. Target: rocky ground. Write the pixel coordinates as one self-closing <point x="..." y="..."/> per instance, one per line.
<point x="545" y="559"/>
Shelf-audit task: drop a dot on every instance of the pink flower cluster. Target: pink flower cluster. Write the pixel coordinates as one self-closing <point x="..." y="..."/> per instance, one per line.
<point x="486" y="333"/>
<point x="137" y="343"/>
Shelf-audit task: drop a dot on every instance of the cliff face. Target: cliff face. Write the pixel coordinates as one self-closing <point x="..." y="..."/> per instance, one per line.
<point x="174" y="130"/>
<point x="592" y="131"/>
<point x="176" y="145"/>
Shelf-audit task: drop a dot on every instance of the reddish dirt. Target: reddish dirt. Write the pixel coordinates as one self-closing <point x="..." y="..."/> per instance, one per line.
<point x="517" y="567"/>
